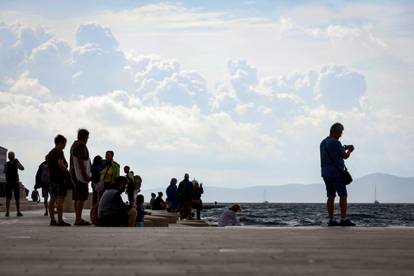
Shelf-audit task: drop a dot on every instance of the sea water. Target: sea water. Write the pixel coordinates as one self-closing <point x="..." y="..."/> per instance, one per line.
<point x="315" y="214"/>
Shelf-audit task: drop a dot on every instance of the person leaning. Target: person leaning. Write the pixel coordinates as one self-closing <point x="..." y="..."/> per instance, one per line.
<point x="112" y="211"/>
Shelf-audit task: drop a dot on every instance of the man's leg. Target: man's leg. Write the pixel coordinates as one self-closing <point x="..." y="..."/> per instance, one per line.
<point x="132" y="217"/>
<point x="45" y="204"/>
<point x="16" y="191"/>
<point x="52" y="208"/>
<point x="59" y="207"/>
<point x="343" y="204"/>
<point x="330" y="203"/>
<point x="8" y="198"/>
<point x="78" y="210"/>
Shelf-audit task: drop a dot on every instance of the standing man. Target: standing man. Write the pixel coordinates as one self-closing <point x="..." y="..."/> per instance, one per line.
<point x="11" y="170"/>
<point x="80" y="169"/>
<point x="58" y="177"/>
<point x="332" y="164"/>
<point x="185" y="195"/>
<point x="110" y="170"/>
<point x="130" y="187"/>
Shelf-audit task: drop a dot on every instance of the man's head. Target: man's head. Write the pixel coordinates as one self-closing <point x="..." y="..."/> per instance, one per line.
<point x="11" y="155"/>
<point x="336" y="130"/>
<point x="126" y="169"/>
<point x="160" y="194"/>
<point x="173" y="181"/>
<point x="153" y="195"/>
<point x="186" y="176"/>
<point x="120" y="183"/>
<point x="60" y="141"/>
<point x="109" y="156"/>
<point x="236" y="208"/>
<point x="83" y="135"/>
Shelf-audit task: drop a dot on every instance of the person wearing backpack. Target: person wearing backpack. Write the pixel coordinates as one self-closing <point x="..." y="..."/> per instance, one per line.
<point x="42" y="181"/>
<point x="11" y="169"/>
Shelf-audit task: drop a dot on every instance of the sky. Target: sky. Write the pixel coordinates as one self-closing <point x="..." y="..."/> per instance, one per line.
<point x="237" y="94"/>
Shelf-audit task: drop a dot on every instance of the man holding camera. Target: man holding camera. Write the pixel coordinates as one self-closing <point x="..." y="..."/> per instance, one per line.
<point x="332" y="165"/>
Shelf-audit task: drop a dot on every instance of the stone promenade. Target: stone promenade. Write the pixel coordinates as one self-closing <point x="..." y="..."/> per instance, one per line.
<point x="29" y="246"/>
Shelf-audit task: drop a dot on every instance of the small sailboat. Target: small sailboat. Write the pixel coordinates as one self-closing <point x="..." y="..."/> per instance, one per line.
<point x="376" y="202"/>
<point x="264" y="198"/>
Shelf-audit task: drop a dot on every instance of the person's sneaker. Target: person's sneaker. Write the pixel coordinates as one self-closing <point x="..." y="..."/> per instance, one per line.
<point x="7" y="214"/>
<point x="53" y="223"/>
<point x="62" y="223"/>
<point x="46" y="214"/>
<point x="347" y="222"/>
<point x="19" y="214"/>
<point x="333" y="223"/>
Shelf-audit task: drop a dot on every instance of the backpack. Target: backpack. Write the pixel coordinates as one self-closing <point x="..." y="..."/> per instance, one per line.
<point x="35" y="196"/>
<point x="44" y="173"/>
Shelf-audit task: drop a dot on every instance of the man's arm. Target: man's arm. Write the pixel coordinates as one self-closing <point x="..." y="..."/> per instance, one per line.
<point x="61" y="165"/>
<point x="81" y="154"/>
<point x="19" y="165"/>
<point x="347" y="151"/>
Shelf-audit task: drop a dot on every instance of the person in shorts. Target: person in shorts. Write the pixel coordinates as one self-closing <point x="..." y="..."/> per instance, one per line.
<point x="332" y="162"/>
<point x="58" y="178"/>
<point x="80" y="169"/>
<point x="11" y="170"/>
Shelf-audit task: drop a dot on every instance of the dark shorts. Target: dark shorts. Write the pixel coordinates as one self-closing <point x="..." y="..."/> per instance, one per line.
<point x="335" y="185"/>
<point x="12" y="189"/>
<point x="120" y="219"/>
<point x="45" y="192"/>
<point x="80" y="191"/>
<point x="58" y="189"/>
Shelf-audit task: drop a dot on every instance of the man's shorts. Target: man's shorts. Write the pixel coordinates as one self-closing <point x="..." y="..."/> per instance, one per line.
<point x="335" y="185"/>
<point x="45" y="192"/>
<point x="58" y="189"/>
<point x="80" y="191"/>
<point x="114" y="220"/>
<point x="12" y="188"/>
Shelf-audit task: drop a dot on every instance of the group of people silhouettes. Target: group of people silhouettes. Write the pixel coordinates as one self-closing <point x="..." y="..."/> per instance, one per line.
<point x="184" y="198"/>
<point x="56" y="176"/>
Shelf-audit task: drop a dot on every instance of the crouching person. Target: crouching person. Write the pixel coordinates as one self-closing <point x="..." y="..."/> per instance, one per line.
<point x="112" y="211"/>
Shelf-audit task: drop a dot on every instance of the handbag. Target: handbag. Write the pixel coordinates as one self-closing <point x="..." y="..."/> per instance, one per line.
<point x="346" y="176"/>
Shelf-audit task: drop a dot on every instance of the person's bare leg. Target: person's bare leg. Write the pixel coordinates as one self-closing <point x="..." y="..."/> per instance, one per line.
<point x="59" y="208"/>
<point x="7" y="206"/>
<point x="343" y="204"/>
<point x="46" y="205"/>
<point x="132" y="217"/>
<point x="18" y="205"/>
<point x="330" y="204"/>
<point x="78" y="210"/>
<point x="52" y="208"/>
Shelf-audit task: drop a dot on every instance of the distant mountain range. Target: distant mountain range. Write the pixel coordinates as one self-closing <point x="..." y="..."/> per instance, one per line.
<point x="390" y="189"/>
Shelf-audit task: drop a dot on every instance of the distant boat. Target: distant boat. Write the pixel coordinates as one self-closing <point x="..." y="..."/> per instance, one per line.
<point x="376" y="202"/>
<point x="264" y="198"/>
